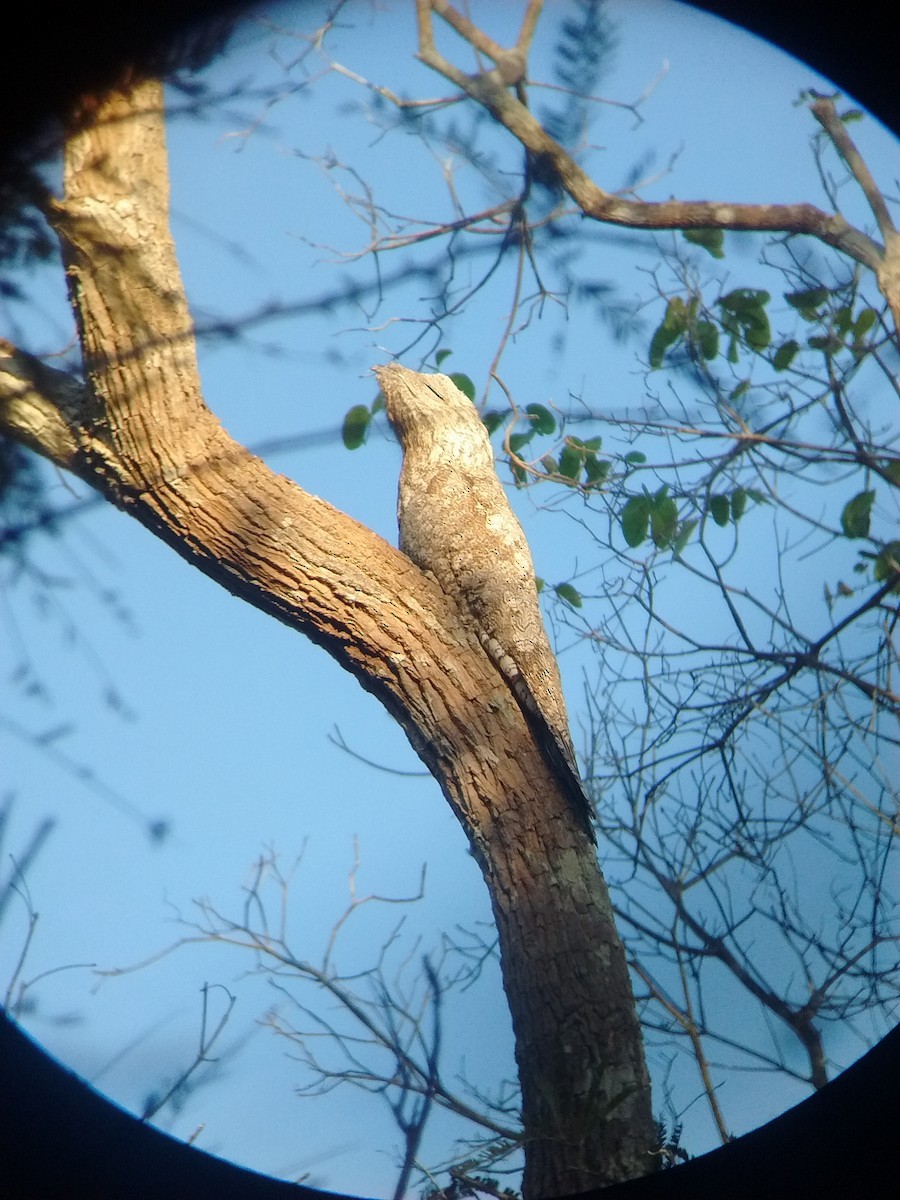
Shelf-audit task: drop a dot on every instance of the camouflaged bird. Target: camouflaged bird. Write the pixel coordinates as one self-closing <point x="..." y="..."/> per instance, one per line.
<point x="456" y="523"/>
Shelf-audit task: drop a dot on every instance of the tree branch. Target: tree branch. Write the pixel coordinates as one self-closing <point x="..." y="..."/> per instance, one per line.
<point x="139" y="431"/>
<point x="490" y="89"/>
<point x="823" y="109"/>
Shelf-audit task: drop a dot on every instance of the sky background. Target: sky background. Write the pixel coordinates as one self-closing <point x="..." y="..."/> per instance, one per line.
<point x="154" y="695"/>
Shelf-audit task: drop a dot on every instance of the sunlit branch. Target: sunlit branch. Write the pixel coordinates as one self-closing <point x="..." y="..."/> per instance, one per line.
<point x="491" y="89"/>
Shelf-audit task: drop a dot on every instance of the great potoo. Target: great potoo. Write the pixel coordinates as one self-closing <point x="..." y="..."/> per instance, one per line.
<point x="456" y="523"/>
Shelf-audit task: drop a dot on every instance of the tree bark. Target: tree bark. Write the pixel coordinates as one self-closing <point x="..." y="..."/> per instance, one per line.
<point x="139" y="432"/>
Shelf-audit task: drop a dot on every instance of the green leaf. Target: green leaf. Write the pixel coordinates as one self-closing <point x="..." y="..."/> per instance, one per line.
<point x="828" y="344"/>
<point x="465" y="384"/>
<point x="664" y="522"/>
<point x="757" y="497"/>
<point x="492" y="420"/>
<point x="757" y="331"/>
<point x="684" y="536"/>
<point x="807" y="301"/>
<point x="741" y="390"/>
<point x="785" y="355"/>
<point x="635" y="519"/>
<point x="356" y="426"/>
<point x="571" y="595"/>
<point x="571" y="461"/>
<point x="594" y="443"/>
<point x="670" y="331"/>
<point x="520" y="475"/>
<point x="518" y="440"/>
<point x="744" y="301"/>
<point x="720" y="509"/>
<point x="659" y="344"/>
<point x="892" y="469"/>
<point x="542" y="419"/>
<point x="738" y="504"/>
<point x="843" y="319"/>
<point x="708" y="339"/>
<point x="550" y="465"/>
<point x="441" y="355"/>
<point x="596" y="470"/>
<point x="709" y="239"/>
<point x="864" y="322"/>
<point x="856" y="515"/>
<point x="635" y="458"/>
<point x="677" y="313"/>
<point x="887" y="563"/>
<point x="852" y="114"/>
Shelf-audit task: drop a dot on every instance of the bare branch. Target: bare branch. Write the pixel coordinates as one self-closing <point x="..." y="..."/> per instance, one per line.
<point x="825" y="112"/>
<point x="490" y="89"/>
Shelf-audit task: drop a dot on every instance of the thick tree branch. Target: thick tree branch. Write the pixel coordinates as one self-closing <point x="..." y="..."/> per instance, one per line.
<point x="139" y="431"/>
<point x="34" y="402"/>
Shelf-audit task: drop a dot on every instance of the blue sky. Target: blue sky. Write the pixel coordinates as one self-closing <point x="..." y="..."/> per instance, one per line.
<point x="224" y="720"/>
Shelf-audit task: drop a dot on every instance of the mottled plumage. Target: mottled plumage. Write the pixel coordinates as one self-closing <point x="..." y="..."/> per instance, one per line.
<point x="456" y="523"/>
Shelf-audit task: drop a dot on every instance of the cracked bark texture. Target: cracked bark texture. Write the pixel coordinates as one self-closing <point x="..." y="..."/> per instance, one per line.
<point x="137" y="429"/>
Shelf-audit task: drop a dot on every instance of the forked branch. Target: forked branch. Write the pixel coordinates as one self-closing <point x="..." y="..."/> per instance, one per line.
<point x="491" y="89"/>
